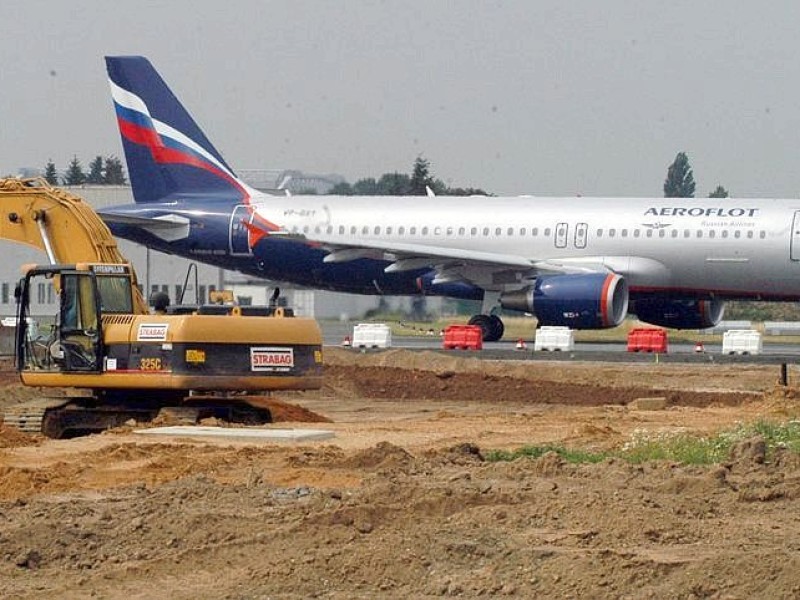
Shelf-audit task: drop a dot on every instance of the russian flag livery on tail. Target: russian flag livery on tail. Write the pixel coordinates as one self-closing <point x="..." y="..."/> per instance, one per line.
<point x="169" y="157"/>
<point x="167" y="153"/>
<point x="576" y="262"/>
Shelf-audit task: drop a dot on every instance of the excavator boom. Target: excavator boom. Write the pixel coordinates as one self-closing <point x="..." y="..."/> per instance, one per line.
<point x="64" y="226"/>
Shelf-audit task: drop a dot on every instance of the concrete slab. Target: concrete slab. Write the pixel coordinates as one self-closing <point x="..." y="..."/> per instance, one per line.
<point x="241" y="433"/>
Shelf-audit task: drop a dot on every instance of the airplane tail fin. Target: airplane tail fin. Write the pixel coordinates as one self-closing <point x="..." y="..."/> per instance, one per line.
<point x="168" y="155"/>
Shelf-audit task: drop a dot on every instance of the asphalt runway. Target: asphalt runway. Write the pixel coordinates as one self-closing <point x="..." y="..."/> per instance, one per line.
<point x="335" y="332"/>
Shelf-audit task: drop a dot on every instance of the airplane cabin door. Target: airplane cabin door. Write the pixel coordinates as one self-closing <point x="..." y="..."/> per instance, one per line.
<point x="794" y="244"/>
<point x="581" y="230"/>
<point x="562" y="232"/>
<point x="239" y="239"/>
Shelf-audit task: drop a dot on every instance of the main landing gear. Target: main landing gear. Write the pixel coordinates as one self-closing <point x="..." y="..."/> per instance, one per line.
<point x="491" y="326"/>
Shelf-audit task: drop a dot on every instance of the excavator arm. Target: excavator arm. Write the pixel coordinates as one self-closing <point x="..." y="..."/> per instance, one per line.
<point x="65" y="227"/>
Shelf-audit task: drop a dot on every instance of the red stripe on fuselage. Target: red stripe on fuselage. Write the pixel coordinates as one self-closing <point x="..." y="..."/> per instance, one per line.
<point x="258" y="228"/>
<point x="604" y="299"/>
<point x="268" y="225"/>
<point x="254" y="233"/>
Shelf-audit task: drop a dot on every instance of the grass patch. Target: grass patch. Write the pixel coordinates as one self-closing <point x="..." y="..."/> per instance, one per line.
<point x="681" y="448"/>
<point x="570" y="455"/>
<point x="780" y="435"/>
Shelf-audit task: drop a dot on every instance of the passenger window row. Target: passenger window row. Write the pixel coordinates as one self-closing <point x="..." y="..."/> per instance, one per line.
<point x="448" y="231"/>
<point x="685" y="233"/>
<point x="523" y="231"/>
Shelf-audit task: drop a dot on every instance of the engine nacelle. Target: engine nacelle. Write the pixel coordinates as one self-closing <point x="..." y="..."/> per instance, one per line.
<point x="679" y="314"/>
<point x="579" y="301"/>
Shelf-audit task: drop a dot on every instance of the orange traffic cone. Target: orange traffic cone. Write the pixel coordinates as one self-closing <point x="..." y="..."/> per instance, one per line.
<point x="521" y="344"/>
<point x="346" y="341"/>
<point x="698" y="347"/>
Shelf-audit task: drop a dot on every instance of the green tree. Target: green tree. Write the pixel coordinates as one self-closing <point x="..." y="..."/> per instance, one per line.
<point x="395" y="184"/>
<point x="421" y="177"/>
<point x="341" y="189"/>
<point x="96" y="176"/>
<point x="50" y="172"/>
<point x="75" y="174"/>
<point x="400" y="184"/>
<point x="720" y="192"/>
<point x="113" y="173"/>
<point x="458" y="191"/>
<point x="366" y="187"/>
<point x="440" y="188"/>
<point x="680" y="180"/>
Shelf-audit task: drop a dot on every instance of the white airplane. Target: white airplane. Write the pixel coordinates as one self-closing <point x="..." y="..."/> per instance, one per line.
<point x="580" y="262"/>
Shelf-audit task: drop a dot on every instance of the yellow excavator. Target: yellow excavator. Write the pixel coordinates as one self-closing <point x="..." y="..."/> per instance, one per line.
<point x="114" y="359"/>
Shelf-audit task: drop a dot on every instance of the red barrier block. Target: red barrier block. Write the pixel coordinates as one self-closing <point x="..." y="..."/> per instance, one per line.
<point x="465" y="337"/>
<point x="647" y="340"/>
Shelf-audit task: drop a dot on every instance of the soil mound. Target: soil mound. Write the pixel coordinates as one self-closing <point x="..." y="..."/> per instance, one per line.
<point x="383" y="456"/>
<point x="387" y="382"/>
<point x="287" y="412"/>
<point x="11" y="437"/>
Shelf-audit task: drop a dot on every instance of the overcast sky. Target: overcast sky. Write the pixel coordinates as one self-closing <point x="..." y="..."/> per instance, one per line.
<point x="528" y="97"/>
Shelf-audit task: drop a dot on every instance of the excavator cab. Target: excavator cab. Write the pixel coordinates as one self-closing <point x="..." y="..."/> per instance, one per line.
<point x="69" y="335"/>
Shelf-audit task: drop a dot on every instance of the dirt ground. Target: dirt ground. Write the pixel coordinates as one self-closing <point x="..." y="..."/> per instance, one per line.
<point x="402" y="504"/>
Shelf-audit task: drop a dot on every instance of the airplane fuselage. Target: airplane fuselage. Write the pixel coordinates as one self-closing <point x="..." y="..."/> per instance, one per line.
<point x="699" y="248"/>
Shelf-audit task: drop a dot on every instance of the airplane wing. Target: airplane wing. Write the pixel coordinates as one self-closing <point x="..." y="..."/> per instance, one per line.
<point x="485" y="269"/>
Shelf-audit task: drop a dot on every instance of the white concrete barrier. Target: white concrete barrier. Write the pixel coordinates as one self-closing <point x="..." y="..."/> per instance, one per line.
<point x="372" y="335"/>
<point x="781" y="327"/>
<point x="742" y="341"/>
<point x="554" y="338"/>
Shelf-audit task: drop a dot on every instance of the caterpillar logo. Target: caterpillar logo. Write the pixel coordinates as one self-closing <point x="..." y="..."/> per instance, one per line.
<point x="268" y="358"/>
<point x="110" y="269"/>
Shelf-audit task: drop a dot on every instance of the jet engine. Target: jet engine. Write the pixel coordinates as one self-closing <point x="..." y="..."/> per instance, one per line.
<point x="679" y="314"/>
<point x="579" y="301"/>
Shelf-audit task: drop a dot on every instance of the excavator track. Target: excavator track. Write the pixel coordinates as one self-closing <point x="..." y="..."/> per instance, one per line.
<point x="28" y="416"/>
<point x="69" y="417"/>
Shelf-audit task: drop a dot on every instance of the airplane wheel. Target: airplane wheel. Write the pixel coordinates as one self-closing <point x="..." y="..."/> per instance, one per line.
<point x="491" y="327"/>
<point x="498" y="329"/>
<point x="483" y="322"/>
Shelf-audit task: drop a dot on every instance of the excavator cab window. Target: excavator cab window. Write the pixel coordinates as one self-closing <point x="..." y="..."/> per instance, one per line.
<point x="78" y="328"/>
<point x="115" y="294"/>
<point x="73" y="340"/>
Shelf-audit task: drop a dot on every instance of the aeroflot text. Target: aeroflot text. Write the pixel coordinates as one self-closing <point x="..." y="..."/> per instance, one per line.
<point x="697" y="211"/>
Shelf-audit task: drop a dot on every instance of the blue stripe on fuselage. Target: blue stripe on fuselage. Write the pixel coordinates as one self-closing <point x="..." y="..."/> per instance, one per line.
<point x="274" y="258"/>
